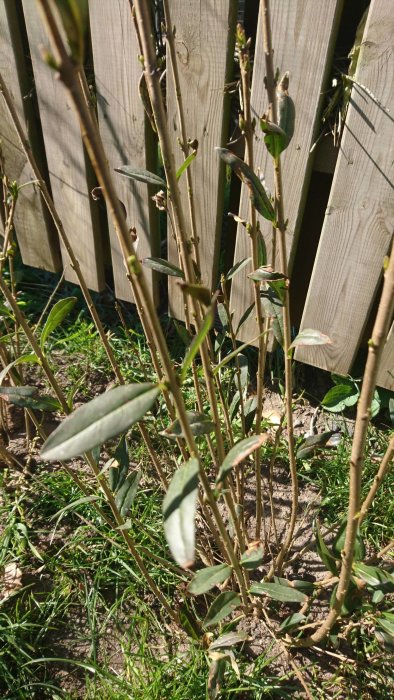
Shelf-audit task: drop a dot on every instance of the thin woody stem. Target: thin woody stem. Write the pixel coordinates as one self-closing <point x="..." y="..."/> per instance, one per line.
<point x="69" y="75"/>
<point x="281" y="227"/>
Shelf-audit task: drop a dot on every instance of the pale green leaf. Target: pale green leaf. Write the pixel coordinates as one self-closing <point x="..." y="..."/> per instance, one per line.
<point x="163" y="266"/>
<point x="277" y="591"/>
<point x="57" y="314"/>
<point x="238" y="453"/>
<point x="141" y="175"/>
<point x="208" y="578"/>
<point x="221" y="608"/>
<point x="179" y="512"/>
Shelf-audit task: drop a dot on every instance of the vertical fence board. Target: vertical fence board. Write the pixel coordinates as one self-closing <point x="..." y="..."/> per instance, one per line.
<point x="359" y="221"/>
<point x="204" y="45"/>
<point x="36" y="238"/>
<point x="303" y="37"/>
<point x="66" y="159"/>
<point x="126" y="135"/>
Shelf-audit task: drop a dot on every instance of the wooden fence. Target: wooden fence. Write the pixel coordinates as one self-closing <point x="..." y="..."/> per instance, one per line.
<point x="357" y="226"/>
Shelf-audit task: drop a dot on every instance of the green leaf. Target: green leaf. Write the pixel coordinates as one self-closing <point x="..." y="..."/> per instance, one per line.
<point x="197" y="342"/>
<point x="23" y="359"/>
<point x="221" y="608"/>
<point x="340" y="397"/>
<point x="277" y="591"/>
<point x="252" y="558"/>
<point x="245" y="317"/>
<point x="391" y="410"/>
<point x="8" y="392"/>
<point x="238" y="453"/>
<point x="244" y="370"/>
<point x="312" y="444"/>
<point x="208" y="578"/>
<point x="199" y="423"/>
<point x="185" y="164"/>
<point x="163" y="266"/>
<point x="275" y="138"/>
<point x="126" y="493"/>
<point x="197" y="291"/>
<point x="324" y="553"/>
<point x="71" y="506"/>
<point x="375" y="405"/>
<point x="99" y="420"/>
<point x="57" y="314"/>
<point x="225" y="641"/>
<point x="292" y="622"/>
<point x="179" y="512"/>
<point x="273" y="309"/>
<point x="266" y="274"/>
<point x="258" y="195"/>
<point x="141" y="175"/>
<point x="377" y="596"/>
<point x="372" y="575"/>
<point x="310" y="337"/>
<point x="261" y="250"/>
<point x="237" y="268"/>
<point x="285" y="108"/>
<point x="306" y="587"/>
<point x="25" y="397"/>
<point x="387" y="624"/>
<point x="352" y="601"/>
<point x="120" y="465"/>
<point x="339" y="543"/>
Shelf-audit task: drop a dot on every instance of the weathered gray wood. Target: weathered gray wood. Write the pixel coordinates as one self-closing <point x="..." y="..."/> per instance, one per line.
<point x="204" y="46"/>
<point x="386" y="371"/>
<point x="359" y="222"/>
<point x="66" y="159"/>
<point x="303" y="36"/>
<point x="126" y="135"/>
<point x="36" y="238"/>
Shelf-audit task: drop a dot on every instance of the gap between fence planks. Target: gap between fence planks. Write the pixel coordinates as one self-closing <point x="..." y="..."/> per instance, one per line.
<point x="205" y="36"/>
<point x="126" y="133"/>
<point x="359" y="222"/>
<point x="303" y="36"/>
<point x="37" y="239"/>
<point x="66" y="160"/>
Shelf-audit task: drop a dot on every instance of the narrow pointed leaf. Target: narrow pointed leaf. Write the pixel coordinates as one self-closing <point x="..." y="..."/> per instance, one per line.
<point x="258" y="195"/>
<point x="313" y="443"/>
<point x="120" y="465"/>
<point x="246" y="314"/>
<point x="185" y="164"/>
<point x="252" y="558"/>
<point x="286" y="108"/>
<point x="324" y="553"/>
<point x="197" y="291"/>
<point x="8" y="392"/>
<point x="372" y="575"/>
<point x="277" y="591"/>
<point x="266" y="274"/>
<point x="292" y="622"/>
<point x="141" y="175"/>
<point x="163" y="266"/>
<point x="179" y="512"/>
<point x="225" y="641"/>
<point x="208" y="578"/>
<point x="237" y="268"/>
<point x="261" y="250"/>
<point x="30" y="358"/>
<point x="99" y="420"/>
<point x="127" y="492"/>
<point x="273" y="309"/>
<point x="221" y="608"/>
<point x="310" y="337"/>
<point x="57" y="314"/>
<point x="238" y="453"/>
<point x="197" y="342"/>
<point x="339" y="543"/>
<point x="275" y="138"/>
<point x="26" y="397"/>
<point x="199" y="423"/>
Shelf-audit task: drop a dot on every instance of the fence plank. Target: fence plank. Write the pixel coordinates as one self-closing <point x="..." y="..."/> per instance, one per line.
<point x="66" y="159"/>
<point x="127" y="137"/>
<point x="359" y="222"/>
<point x="204" y="45"/>
<point x="37" y="240"/>
<point x="303" y="35"/>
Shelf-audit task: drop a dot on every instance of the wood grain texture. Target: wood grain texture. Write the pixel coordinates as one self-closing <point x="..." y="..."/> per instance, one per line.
<point x="303" y="36"/>
<point x="386" y="370"/>
<point x="37" y="240"/>
<point x="359" y="222"/>
<point x="126" y="135"/>
<point x="66" y="159"/>
<point x="204" y="41"/>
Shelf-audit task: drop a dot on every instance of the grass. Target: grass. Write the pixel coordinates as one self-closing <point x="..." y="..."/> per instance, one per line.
<point x="82" y="624"/>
